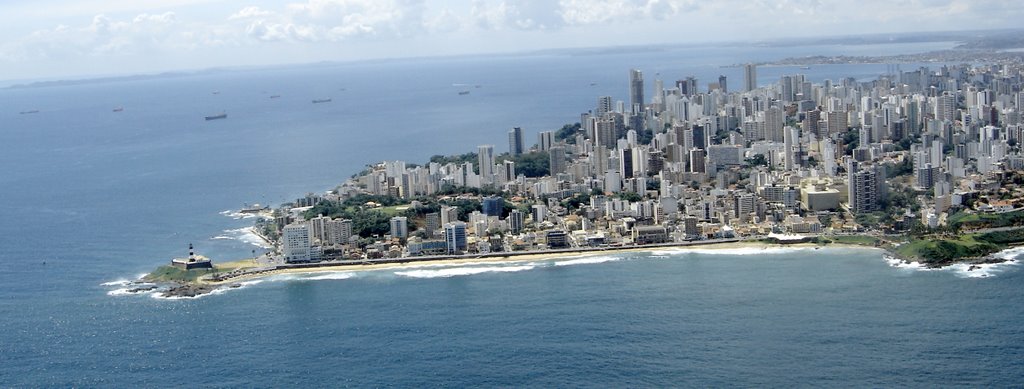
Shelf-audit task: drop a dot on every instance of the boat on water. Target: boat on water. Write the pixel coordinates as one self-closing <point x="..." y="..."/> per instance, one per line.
<point x="222" y="115"/>
<point x="275" y="96"/>
<point x="463" y="93"/>
<point x="318" y="101"/>
<point x="29" y="112"/>
<point x="118" y="109"/>
<point x="255" y="208"/>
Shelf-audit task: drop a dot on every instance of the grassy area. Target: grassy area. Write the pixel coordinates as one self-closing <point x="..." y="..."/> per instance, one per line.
<point x="945" y="250"/>
<point x="987" y="220"/>
<point x="169" y="273"/>
<point x="395" y="210"/>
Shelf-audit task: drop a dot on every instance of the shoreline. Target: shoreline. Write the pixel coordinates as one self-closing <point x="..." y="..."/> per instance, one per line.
<point x="525" y="256"/>
<point x="182" y="289"/>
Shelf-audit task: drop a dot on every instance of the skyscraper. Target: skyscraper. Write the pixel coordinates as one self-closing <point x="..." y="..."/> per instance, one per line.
<point x="485" y="158"/>
<point x="515" y="221"/>
<point x="455" y="237"/>
<point x="604" y="105"/>
<point x="545" y="139"/>
<point x="557" y="160"/>
<point x="296" y="247"/>
<point x="636" y="90"/>
<point x="515" y="141"/>
<point x="399" y="227"/>
<point x="749" y="77"/>
<point x="862" y="186"/>
<point x="721" y="84"/>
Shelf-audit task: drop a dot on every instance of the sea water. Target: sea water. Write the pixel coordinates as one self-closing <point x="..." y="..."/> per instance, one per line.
<point x="93" y="198"/>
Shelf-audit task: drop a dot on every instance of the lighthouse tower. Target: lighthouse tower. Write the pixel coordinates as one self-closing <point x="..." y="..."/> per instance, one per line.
<point x="193" y="261"/>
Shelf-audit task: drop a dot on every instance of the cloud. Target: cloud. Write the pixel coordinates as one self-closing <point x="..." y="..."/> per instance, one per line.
<point x="249" y="13"/>
<point x="337" y="20"/>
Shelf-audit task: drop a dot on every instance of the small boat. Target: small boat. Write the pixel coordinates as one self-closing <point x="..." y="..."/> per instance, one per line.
<point x="805" y="67"/>
<point x="318" y="101"/>
<point x="275" y="96"/>
<point x="29" y="112"/>
<point x="463" y="93"/>
<point x="216" y="92"/>
<point x="222" y="115"/>
<point x="118" y="109"/>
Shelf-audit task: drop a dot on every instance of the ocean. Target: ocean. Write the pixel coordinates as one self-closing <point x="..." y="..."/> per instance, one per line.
<point x="92" y="197"/>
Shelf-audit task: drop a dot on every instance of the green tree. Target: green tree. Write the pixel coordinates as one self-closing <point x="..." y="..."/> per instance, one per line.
<point x="757" y="160"/>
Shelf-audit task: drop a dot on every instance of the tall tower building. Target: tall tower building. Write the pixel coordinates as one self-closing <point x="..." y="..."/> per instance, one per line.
<point x="485" y="159"/>
<point x="788" y="134"/>
<point x="721" y="84"/>
<point x="399" y="227"/>
<point x="604" y="105"/>
<point x="556" y="160"/>
<point x="296" y="247"/>
<point x="515" y="141"/>
<point x="545" y="139"/>
<point x="862" y="188"/>
<point x="636" y="90"/>
<point x="749" y="77"/>
<point x="515" y="221"/>
<point x="455" y="237"/>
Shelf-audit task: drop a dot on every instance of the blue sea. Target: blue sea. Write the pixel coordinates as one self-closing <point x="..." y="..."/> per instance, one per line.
<point x="91" y="198"/>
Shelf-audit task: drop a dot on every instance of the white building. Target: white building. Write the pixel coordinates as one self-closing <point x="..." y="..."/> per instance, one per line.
<point x="297" y="243"/>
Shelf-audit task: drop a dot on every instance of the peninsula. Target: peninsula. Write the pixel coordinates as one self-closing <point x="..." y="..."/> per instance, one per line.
<point x="923" y="163"/>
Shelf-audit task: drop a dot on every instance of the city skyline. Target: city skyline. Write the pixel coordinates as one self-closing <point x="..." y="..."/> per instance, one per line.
<point x="115" y="38"/>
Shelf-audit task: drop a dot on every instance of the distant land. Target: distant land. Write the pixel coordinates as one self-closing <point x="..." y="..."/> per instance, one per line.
<point x="972" y="46"/>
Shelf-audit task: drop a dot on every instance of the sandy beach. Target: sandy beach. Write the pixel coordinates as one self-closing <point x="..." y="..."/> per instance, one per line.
<point x="520" y="257"/>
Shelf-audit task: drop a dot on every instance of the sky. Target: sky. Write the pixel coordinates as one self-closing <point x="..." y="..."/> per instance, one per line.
<point x="48" y="39"/>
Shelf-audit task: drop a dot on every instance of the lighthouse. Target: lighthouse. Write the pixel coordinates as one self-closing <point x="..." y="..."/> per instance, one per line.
<point x="193" y="261"/>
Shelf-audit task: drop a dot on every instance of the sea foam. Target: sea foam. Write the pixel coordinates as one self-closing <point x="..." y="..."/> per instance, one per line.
<point x="331" y="276"/>
<point x="244" y="234"/>
<point x="462" y="271"/>
<point x="587" y="260"/>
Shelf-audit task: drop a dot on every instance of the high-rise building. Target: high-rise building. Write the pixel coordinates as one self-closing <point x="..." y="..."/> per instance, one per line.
<point x="399" y="227"/>
<point x="636" y="90"/>
<point x="455" y="237"/>
<point x="722" y="85"/>
<point x="509" y="170"/>
<point x="318" y="228"/>
<point x="862" y="188"/>
<point x="515" y="141"/>
<point x="749" y="77"/>
<point x="449" y="214"/>
<point x="492" y="205"/>
<point x="297" y="245"/>
<point x="556" y="157"/>
<point x="788" y="140"/>
<point x="540" y="213"/>
<point x="545" y="140"/>
<point x="697" y="157"/>
<point x="626" y="163"/>
<point x="485" y="159"/>
<point x="339" y="231"/>
<point x="604" y="105"/>
<point x="433" y="223"/>
<point x="515" y="221"/>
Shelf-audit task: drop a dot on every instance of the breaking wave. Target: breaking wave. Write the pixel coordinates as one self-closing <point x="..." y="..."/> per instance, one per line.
<point x="587" y="261"/>
<point x="244" y="234"/>
<point x="462" y="271"/>
<point x="331" y="276"/>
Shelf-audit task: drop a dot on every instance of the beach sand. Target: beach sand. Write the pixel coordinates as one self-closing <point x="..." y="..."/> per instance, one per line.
<point x="517" y="257"/>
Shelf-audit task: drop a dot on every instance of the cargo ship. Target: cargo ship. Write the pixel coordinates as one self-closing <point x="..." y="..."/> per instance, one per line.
<point x="222" y="115"/>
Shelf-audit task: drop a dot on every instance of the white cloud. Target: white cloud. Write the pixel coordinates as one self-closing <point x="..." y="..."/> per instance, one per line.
<point x="249" y="13"/>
